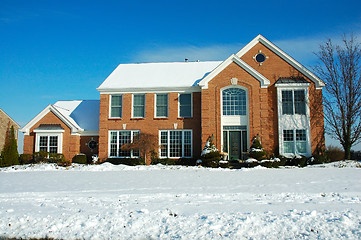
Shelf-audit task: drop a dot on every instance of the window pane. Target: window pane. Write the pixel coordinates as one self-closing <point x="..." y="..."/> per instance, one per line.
<point x="288" y="141"/>
<point x="300" y="103"/>
<point x="162" y="105"/>
<point x="234" y="102"/>
<point x="287" y="102"/>
<point x="288" y="147"/>
<point x="138" y="105"/>
<point x="164" y="144"/>
<point x="175" y="147"/>
<point x="225" y="141"/>
<point x="43" y="142"/>
<point x="185" y="105"/>
<point x="301" y="142"/>
<point x="124" y="137"/>
<point x="113" y="144"/>
<point x="187" y="143"/>
<point x="116" y="106"/>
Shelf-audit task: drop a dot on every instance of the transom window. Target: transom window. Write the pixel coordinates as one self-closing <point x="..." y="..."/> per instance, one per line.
<point x="185" y="105"/>
<point x="139" y="105"/>
<point x="293" y="102"/>
<point x="175" y="143"/>
<point x="234" y="102"/>
<point x="48" y="144"/>
<point x="116" y="104"/>
<point x="119" y="138"/>
<point x="161" y="105"/>
<point x="294" y="141"/>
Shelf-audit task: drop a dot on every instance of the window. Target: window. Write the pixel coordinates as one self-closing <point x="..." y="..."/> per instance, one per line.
<point x="116" y="105"/>
<point x="175" y="143"/>
<point x="48" y="144"/>
<point x="161" y="105"/>
<point x="234" y="102"/>
<point x="294" y="140"/>
<point x="119" y="138"/>
<point x="139" y="105"/>
<point x="293" y="102"/>
<point x="185" y="105"/>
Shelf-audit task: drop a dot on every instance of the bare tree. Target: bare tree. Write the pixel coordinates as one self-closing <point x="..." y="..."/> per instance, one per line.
<point x="340" y="69"/>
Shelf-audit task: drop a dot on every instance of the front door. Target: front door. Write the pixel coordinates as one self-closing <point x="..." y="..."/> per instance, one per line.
<point x="234" y="145"/>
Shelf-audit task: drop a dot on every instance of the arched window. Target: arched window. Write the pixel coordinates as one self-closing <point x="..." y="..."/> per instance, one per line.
<point x="234" y="102"/>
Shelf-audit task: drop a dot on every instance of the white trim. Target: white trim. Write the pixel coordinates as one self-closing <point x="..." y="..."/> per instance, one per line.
<point x="89" y="133"/>
<point x="118" y="148"/>
<point x="260" y="39"/>
<point x="264" y="82"/>
<point x="295" y="121"/>
<point x="168" y="142"/>
<point x="155" y="105"/>
<point x="110" y="106"/>
<point x="49" y="131"/>
<point x="291" y="85"/>
<point x="191" y="104"/>
<point x="50" y="108"/>
<point x="132" y="111"/>
<point x="240" y="123"/>
<point x="44" y="134"/>
<point x="118" y="91"/>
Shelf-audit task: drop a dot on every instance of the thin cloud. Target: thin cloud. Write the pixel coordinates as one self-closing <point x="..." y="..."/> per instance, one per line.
<point x="302" y="49"/>
<point x="178" y="54"/>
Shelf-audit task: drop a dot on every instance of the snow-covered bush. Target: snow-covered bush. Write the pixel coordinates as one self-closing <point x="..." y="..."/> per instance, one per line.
<point x="210" y="155"/>
<point x="257" y="151"/>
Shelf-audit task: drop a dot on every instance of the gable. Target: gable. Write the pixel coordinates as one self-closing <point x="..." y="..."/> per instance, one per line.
<point x="264" y="82"/>
<point x="54" y="113"/>
<point x="261" y="44"/>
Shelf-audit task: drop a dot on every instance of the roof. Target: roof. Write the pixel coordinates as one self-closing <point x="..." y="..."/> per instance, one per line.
<point x="81" y="116"/>
<point x="47" y="127"/>
<point x="157" y="75"/>
<point x="288" y="80"/>
<point x="82" y="113"/>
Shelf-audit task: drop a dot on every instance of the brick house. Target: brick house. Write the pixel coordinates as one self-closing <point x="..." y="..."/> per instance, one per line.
<point x="5" y="124"/>
<point x="258" y="91"/>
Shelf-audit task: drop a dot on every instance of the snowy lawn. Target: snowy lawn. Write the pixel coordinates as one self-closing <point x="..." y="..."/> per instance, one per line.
<point x="176" y="202"/>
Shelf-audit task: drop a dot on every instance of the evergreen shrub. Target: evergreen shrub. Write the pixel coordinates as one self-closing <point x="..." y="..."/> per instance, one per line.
<point x="257" y="151"/>
<point x="210" y="155"/>
<point x="186" y="161"/>
<point x="26" y="159"/>
<point x="80" y="158"/>
<point x="9" y="153"/>
<point x="126" y="161"/>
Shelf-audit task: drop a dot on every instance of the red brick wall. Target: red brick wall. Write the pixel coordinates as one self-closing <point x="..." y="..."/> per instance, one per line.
<point x="263" y="118"/>
<point x="71" y="143"/>
<point x="149" y="124"/>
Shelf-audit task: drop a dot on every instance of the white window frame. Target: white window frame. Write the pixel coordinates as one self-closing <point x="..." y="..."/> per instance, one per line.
<point x="168" y="143"/>
<point x="294" y="121"/>
<point x="155" y="105"/>
<point x="110" y="106"/>
<point x="293" y="101"/>
<point x="294" y="141"/>
<point x="133" y="104"/>
<point x="118" y="147"/>
<point x="48" y="134"/>
<point x="191" y="116"/>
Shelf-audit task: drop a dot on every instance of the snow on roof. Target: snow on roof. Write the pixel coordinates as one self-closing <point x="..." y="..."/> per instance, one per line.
<point x="157" y="75"/>
<point x="81" y="113"/>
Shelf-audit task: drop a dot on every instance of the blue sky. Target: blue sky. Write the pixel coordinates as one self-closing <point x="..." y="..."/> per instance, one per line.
<point x="63" y="50"/>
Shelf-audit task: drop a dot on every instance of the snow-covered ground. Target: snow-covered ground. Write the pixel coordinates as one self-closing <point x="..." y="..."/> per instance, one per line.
<point x="177" y="202"/>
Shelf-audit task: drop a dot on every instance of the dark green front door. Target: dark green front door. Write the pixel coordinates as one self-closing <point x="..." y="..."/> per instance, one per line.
<point x="234" y="145"/>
